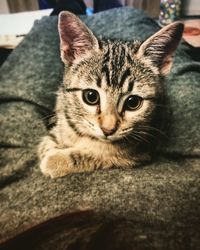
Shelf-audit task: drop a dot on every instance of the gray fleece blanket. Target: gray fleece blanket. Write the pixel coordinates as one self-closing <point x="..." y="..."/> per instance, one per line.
<point x="164" y="193"/>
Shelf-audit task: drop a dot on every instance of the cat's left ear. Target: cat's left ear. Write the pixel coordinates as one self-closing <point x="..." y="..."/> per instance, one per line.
<point x="159" y="49"/>
<point x="76" y="40"/>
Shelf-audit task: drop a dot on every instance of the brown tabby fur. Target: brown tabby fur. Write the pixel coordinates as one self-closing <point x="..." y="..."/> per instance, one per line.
<point x="107" y="134"/>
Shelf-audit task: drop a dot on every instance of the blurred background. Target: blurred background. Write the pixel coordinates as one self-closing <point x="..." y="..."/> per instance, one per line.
<point x="18" y="16"/>
<point x="189" y="7"/>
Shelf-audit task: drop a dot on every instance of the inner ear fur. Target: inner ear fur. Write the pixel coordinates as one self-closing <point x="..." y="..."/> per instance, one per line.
<point x="159" y="48"/>
<point x="76" y="39"/>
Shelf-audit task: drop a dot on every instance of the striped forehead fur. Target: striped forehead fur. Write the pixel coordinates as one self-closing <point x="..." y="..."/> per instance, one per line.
<point x="116" y="64"/>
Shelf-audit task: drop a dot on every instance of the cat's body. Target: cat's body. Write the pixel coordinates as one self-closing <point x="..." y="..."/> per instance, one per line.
<point x="108" y="106"/>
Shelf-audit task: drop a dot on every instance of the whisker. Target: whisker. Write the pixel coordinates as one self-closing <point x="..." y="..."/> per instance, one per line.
<point x="124" y="138"/>
<point x="53" y="92"/>
<point x="146" y="133"/>
<point x="143" y="139"/>
<point x="48" y="116"/>
<point x="51" y="122"/>
<point x="132" y="137"/>
<point x="138" y="138"/>
<point x="136" y="134"/>
<point x="159" y="131"/>
<point x="127" y="129"/>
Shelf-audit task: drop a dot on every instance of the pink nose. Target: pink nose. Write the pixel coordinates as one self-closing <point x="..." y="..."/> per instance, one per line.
<point x="107" y="131"/>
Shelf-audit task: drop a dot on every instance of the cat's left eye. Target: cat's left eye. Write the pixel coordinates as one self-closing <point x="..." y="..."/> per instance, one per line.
<point x="91" y="97"/>
<point x="133" y="103"/>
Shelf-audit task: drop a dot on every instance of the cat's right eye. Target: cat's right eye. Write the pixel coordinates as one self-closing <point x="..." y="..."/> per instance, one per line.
<point x="91" y="97"/>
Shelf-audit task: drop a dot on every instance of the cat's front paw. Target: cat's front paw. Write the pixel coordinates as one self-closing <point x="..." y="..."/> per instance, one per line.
<point x="56" y="163"/>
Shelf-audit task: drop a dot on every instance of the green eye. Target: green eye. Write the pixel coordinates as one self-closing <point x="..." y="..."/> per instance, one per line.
<point x="91" y="96"/>
<point x="133" y="103"/>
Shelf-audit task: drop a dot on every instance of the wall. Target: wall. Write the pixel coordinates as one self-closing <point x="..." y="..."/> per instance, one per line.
<point x="22" y="5"/>
<point x="4" y="7"/>
<point x="191" y="7"/>
<point x="150" y="6"/>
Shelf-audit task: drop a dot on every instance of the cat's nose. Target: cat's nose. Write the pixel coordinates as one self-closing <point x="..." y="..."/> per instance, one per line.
<point x="108" y="123"/>
<point x="108" y="131"/>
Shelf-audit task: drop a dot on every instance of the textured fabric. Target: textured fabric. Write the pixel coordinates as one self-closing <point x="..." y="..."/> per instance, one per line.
<point x="165" y="192"/>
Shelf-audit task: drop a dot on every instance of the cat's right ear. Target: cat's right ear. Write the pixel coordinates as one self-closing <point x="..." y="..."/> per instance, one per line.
<point x="76" y="40"/>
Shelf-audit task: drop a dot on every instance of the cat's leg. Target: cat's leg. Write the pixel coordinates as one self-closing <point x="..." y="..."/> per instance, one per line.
<point x="56" y="161"/>
<point x="48" y="143"/>
<point x="60" y="162"/>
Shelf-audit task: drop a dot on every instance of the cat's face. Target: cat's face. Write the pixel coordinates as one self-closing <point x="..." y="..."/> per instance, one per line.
<point x="112" y="89"/>
<point x="111" y="96"/>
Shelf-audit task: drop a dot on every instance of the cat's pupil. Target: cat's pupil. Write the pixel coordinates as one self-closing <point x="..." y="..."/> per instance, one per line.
<point x="91" y="97"/>
<point x="132" y="103"/>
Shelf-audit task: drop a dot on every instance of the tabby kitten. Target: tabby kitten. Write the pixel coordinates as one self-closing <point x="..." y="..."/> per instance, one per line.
<point x="107" y="107"/>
